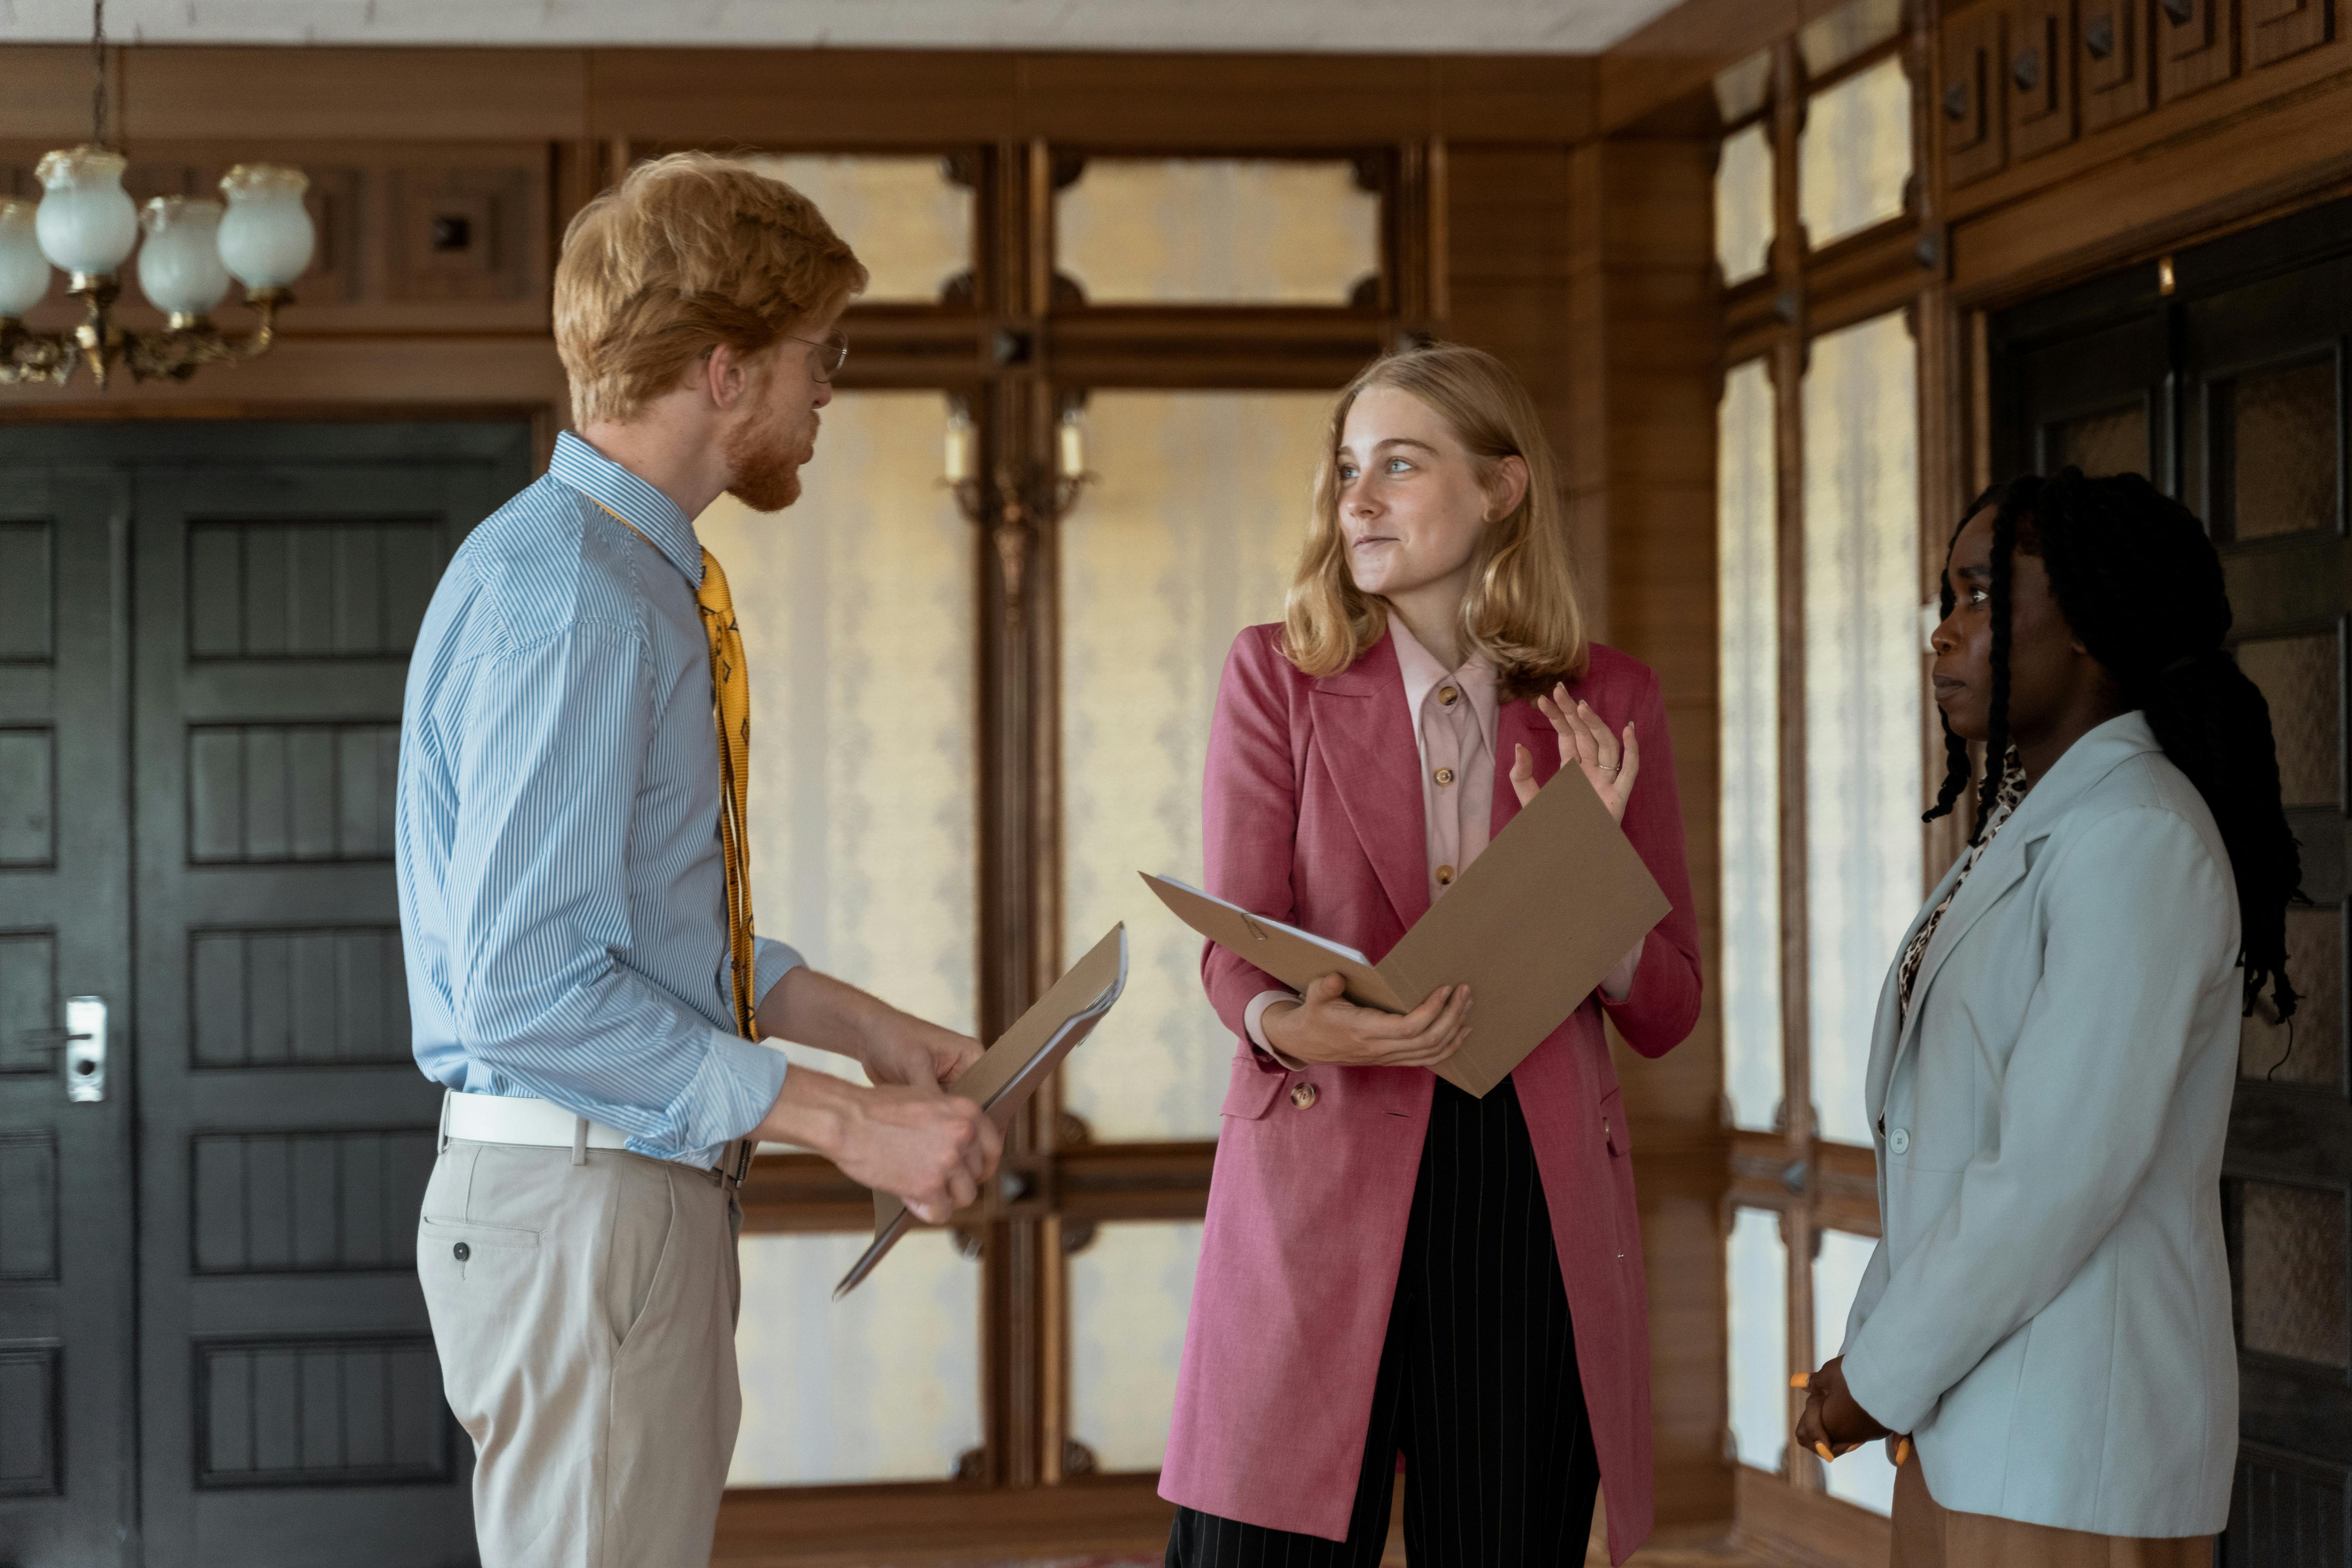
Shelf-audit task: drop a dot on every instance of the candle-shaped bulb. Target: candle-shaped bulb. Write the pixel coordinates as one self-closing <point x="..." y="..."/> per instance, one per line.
<point x="959" y="462"/>
<point x="1072" y="449"/>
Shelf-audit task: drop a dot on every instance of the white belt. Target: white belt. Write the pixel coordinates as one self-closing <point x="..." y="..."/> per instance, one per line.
<point x="518" y="1118"/>
<point x="514" y="1119"/>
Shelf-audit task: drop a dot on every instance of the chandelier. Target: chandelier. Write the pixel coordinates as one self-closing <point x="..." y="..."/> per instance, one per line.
<point x="85" y="226"/>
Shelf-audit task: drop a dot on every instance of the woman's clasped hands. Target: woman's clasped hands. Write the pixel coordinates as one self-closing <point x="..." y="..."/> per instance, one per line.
<point x="1834" y="1424"/>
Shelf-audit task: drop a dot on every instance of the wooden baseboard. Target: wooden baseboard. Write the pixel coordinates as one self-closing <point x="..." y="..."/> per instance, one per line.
<point x="938" y="1522"/>
<point x="1778" y="1522"/>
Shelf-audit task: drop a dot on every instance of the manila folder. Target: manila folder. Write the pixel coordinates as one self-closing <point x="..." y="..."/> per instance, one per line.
<point x="1009" y="1071"/>
<point x="1532" y="927"/>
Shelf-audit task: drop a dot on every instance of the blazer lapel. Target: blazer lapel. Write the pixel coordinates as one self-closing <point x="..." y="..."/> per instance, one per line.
<point x="1366" y="739"/>
<point x="2087" y="762"/>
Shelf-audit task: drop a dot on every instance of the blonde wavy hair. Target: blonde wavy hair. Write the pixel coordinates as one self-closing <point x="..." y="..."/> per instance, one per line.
<point x="1521" y="612"/>
<point x="685" y="253"/>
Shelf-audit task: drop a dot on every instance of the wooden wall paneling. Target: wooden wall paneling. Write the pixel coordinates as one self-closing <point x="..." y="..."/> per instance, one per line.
<point x="1969" y="96"/>
<point x="2196" y="46"/>
<point x="2039" y="63"/>
<point x="2277" y="28"/>
<point x="2232" y="169"/>
<point x="938" y="1522"/>
<point x="1676" y="55"/>
<point x="813" y="98"/>
<point x="178" y="93"/>
<point x="2114" y="61"/>
<point x="1643" y="293"/>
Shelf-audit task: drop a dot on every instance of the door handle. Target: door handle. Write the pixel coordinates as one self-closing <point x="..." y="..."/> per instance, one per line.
<point x="85" y="1048"/>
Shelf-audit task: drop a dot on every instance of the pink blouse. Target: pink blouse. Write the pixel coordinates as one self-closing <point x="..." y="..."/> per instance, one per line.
<point x="1453" y="730"/>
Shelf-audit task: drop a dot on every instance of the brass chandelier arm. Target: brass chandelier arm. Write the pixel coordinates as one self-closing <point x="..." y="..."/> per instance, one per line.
<point x="171" y="353"/>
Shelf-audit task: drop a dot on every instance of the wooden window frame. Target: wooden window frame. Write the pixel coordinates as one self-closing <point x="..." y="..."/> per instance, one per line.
<point x="1017" y="351"/>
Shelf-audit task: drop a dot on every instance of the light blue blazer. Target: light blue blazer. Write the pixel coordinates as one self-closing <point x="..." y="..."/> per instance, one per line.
<point x="2048" y="1313"/>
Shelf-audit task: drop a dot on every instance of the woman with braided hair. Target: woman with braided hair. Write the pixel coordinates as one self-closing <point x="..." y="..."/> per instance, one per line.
<point x="2047" y="1316"/>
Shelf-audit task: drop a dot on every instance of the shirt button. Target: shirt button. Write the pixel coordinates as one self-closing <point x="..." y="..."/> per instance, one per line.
<point x="1302" y="1095"/>
<point x="461" y="1252"/>
<point x="1447" y="696"/>
<point x="1443" y="776"/>
<point x="1445" y="875"/>
<point x="1899" y="1140"/>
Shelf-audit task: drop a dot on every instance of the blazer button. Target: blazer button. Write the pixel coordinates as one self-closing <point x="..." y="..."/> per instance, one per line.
<point x="461" y="1252"/>
<point x="1302" y="1095"/>
<point x="1899" y="1140"/>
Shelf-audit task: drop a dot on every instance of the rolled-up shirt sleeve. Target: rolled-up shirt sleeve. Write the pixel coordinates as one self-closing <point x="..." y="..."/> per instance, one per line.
<point x="550" y="744"/>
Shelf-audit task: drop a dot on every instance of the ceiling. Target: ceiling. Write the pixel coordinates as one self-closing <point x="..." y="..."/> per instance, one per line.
<point x="1343" y="26"/>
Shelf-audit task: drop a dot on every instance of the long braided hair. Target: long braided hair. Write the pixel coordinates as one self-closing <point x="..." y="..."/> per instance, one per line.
<point x="2139" y="584"/>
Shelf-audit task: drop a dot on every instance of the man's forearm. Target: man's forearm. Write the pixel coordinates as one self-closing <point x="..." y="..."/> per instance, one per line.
<point x="813" y="1009"/>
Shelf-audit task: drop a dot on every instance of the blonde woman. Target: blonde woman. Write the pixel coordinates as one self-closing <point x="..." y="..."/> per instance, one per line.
<point x="1392" y="1268"/>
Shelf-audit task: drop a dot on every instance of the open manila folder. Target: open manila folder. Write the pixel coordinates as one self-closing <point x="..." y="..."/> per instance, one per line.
<point x="1532" y="927"/>
<point x="1009" y="1071"/>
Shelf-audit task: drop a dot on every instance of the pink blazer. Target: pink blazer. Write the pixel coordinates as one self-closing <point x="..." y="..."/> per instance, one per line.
<point x="1313" y="815"/>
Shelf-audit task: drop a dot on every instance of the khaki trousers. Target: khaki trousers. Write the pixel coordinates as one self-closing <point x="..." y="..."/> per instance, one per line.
<point x="1928" y="1535"/>
<point x="585" y="1317"/>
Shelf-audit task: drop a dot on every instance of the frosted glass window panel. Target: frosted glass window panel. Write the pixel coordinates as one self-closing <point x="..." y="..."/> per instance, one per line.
<point x="1854" y="159"/>
<point x="1743" y="205"/>
<point x="1131" y="1292"/>
<point x="1828" y="42"/>
<point x="1745" y="89"/>
<point x="858" y="605"/>
<point x="1756" y="1269"/>
<point x="1748" y="683"/>
<point x="882" y="1387"/>
<point x="1209" y="231"/>
<point x="1866" y="1476"/>
<point x="1190" y="535"/>
<point x="908" y="223"/>
<point x="1864" y="672"/>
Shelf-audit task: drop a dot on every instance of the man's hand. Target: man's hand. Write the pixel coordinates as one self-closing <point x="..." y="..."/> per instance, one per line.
<point x="902" y="1048"/>
<point x="1832" y="1424"/>
<point x="1322" y="1026"/>
<point x="932" y="1151"/>
<point x="894" y="1047"/>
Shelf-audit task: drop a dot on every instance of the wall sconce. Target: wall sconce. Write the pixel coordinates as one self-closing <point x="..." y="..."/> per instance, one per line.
<point x="1025" y="493"/>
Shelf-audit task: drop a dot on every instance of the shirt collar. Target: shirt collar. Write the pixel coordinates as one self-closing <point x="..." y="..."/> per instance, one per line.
<point x="1422" y="674"/>
<point x="653" y="514"/>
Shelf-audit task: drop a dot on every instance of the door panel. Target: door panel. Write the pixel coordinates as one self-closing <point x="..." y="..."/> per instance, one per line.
<point x="233" y="607"/>
<point x="291" y="1389"/>
<point x="67" y="1412"/>
<point x="2242" y="372"/>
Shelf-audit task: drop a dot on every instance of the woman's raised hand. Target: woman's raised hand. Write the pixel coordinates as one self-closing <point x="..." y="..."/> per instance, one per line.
<point x="1325" y="1027"/>
<point x="1611" y="761"/>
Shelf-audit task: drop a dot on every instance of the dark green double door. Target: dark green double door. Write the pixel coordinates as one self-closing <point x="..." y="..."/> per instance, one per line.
<point x="213" y="1349"/>
<point x="2232" y="389"/>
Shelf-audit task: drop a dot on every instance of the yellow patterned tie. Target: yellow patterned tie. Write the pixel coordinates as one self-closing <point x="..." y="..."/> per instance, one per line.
<point x="730" y="688"/>
<point x="731" y="692"/>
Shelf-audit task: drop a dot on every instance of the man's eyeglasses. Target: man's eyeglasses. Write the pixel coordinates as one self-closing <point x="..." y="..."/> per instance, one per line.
<point x="831" y="352"/>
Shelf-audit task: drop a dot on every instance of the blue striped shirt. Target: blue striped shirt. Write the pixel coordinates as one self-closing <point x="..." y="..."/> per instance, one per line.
<point x="562" y="893"/>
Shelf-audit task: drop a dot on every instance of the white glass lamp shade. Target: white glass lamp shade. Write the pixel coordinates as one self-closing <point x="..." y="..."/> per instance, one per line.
<point x="23" y="270"/>
<point x="86" y="224"/>
<point x="180" y="266"/>
<point x="267" y="236"/>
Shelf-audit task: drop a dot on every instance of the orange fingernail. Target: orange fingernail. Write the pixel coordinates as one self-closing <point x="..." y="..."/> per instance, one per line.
<point x="1902" y="1453"/>
<point x="1802" y="1380"/>
<point x="1824" y="1450"/>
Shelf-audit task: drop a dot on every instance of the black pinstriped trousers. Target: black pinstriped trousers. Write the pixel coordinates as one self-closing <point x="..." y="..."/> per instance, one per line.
<point x="1477" y="1385"/>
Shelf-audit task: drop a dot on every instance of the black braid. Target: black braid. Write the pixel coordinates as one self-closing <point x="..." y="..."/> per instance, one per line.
<point x="2139" y="581"/>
